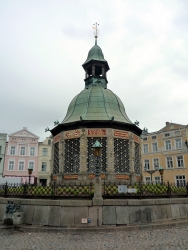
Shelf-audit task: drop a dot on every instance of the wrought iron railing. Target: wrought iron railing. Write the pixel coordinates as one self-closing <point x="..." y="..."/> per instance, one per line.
<point x="110" y="190"/>
<point x="53" y="191"/>
<point x="144" y="190"/>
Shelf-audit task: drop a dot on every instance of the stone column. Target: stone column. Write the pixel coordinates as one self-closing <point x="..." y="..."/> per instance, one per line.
<point x="132" y="153"/>
<point x="83" y="156"/>
<point x="97" y="199"/>
<point x="59" y="175"/>
<point x="110" y="155"/>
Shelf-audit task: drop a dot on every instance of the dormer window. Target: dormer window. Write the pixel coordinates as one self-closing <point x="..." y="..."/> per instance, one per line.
<point x="167" y="134"/>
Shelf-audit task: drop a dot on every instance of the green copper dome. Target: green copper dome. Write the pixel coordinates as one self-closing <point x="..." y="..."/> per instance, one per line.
<point x="95" y="53"/>
<point x="96" y="103"/>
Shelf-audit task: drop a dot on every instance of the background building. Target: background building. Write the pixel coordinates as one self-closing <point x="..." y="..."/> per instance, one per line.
<point x="167" y="148"/>
<point x="44" y="168"/>
<point x="21" y="153"/>
<point x="3" y="138"/>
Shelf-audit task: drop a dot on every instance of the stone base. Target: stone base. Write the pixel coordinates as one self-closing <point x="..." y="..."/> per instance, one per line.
<point x="97" y="201"/>
<point x="8" y="222"/>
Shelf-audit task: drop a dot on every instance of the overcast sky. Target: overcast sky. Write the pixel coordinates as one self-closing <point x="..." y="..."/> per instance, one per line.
<point x="44" y="43"/>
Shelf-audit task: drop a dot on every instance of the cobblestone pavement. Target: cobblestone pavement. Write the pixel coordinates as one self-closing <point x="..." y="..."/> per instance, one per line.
<point x="158" y="239"/>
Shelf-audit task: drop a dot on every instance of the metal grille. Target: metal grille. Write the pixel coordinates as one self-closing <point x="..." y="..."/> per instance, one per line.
<point x="121" y="156"/>
<point x="72" y="156"/>
<point x="136" y="158"/>
<point x="91" y="160"/>
<point x="56" y="158"/>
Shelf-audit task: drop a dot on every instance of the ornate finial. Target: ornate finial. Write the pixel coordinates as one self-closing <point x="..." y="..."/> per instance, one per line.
<point x="56" y="123"/>
<point x="96" y="32"/>
<point x="137" y="123"/>
<point x="47" y="129"/>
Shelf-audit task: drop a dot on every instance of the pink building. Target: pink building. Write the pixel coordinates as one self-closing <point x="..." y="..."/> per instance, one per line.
<point x="21" y="153"/>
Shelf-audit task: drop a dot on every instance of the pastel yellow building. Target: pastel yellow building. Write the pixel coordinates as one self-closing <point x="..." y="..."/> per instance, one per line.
<point x="44" y="169"/>
<point x="166" y="148"/>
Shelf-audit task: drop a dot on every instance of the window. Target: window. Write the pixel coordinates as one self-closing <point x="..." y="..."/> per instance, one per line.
<point x="145" y="148"/>
<point x="153" y="137"/>
<point x="177" y="133"/>
<point x="156" y="163"/>
<point x="154" y="146"/>
<point x="168" y="145"/>
<point x="178" y="143"/>
<point x="21" y="166"/>
<point x="31" y="165"/>
<point x="169" y="162"/>
<point x="180" y="180"/>
<point x="148" y="179"/>
<point x="167" y="134"/>
<point x="44" y="166"/>
<point x="180" y="161"/>
<point x="49" y="142"/>
<point x="22" y="151"/>
<point x="146" y="164"/>
<point x="157" y="179"/>
<point x="12" y="150"/>
<point x="44" y="151"/>
<point x="145" y="139"/>
<point x="32" y="151"/>
<point x="11" y="165"/>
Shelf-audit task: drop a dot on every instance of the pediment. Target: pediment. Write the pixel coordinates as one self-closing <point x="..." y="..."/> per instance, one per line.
<point x="171" y="126"/>
<point x="24" y="133"/>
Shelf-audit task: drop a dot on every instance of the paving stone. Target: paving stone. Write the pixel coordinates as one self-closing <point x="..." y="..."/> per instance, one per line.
<point x="153" y="239"/>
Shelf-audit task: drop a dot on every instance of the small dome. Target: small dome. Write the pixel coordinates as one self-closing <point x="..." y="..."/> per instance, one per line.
<point x="96" y="103"/>
<point x="95" y="53"/>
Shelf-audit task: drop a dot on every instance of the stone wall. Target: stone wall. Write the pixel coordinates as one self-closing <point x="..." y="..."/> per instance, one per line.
<point x="68" y="213"/>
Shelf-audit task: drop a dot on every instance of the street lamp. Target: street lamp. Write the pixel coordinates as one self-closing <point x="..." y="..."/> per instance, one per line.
<point x="161" y="171"/>
<point x="151" y="172"/>
<point x="30" y="170"/>
<point x="97" y="150"/>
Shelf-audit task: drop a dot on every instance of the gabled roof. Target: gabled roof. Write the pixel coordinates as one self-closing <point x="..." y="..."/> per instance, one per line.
<point x="171" y="126"/>
<point x="24" y="133"/>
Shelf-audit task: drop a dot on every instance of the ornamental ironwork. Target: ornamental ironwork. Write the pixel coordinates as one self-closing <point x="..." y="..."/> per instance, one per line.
<point x="92" y="160"/>
<point x="72" y="156"/>
<point x="136" y="158"/>
<point x="121" y="156"/>
<point x="56" y="158"/>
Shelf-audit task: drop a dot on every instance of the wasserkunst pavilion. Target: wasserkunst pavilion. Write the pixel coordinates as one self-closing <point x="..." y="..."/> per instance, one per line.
<point x="96" y="113"/>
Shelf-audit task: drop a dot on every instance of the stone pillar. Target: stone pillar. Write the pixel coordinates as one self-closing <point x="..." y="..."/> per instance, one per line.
<point x="83" y="156"/>
<point x="110" y="155"/>
<point x="132" y="153"/>
<point x="97" y="199"/>
<point x="61" y="153"/>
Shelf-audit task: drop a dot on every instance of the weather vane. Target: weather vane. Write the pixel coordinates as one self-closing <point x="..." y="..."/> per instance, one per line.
<point x="96" y="32"/>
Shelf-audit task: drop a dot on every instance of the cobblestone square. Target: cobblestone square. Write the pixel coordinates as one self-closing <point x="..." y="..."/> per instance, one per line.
<point x="158" y="239"/>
